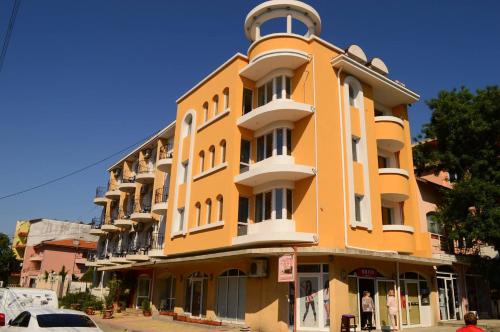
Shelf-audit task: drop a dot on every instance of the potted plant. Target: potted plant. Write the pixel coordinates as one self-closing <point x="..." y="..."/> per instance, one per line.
<point x="113" y="293"/>
<point x="146" y="308"/>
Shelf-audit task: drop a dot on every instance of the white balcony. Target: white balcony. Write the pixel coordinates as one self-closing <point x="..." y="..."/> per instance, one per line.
<point x="104" y="262"/>
<point x="92" y="264"/>
<point x="119" y="260"/>
<point x="113" y="194"/>
<point x="109" y="228"/>
<point x="137" y="258"/>
<point x="264" y="63"/>
<point x="97" y="232"/>
<point x="164" y="165"/>
<point x="277" y="168"/>
<point x="127" y="187"/>
<point x="124" y="223"/>
<point x="100" y="201"/>
<point x="273" y="231"/>
<point x="144" y="217"/>
<point x="159" y="208"/>
<point x="276" y="110"/>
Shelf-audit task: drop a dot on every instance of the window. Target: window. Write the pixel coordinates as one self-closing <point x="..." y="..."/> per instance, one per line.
<point x="432" y="223"/>
<point x="383" y="162"/>
<point x="226" y="98"/>
<point x="212" y="156"/>
<point x="352" y="97"/>
<point x="215" y="104"/>
<point x="276" y="142"/>
<point x="67" y="321"/>
<point x="188" y="122"/>
<point x="185" y="166"/>
<point x="243" y="213"/>
<point x="202" y="161"/>
<point x="198" y="213"/>
<point x="167" y="302"/>
<point x="205" y="111"/>
<point x="355" y="143"/>
<point x="220" y="208"/>
<point x="273" y="204"/>
<point x="378" y="112"/>
<point x="247" y="100"/>
<point x="357" y="208"/>
<point x="22" y="320"/>
<point x="223" y="151"/>
<point x="387" y="215"/>
<point x="277" y="88"/>
<point x="245" y="156"/>
<point x="231" y="295"/>
<point x="209" y="211"/>
<point x="180" y="225"/>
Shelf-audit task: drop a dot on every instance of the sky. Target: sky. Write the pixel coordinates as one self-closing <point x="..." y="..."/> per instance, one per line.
<point x="82" y="80"/>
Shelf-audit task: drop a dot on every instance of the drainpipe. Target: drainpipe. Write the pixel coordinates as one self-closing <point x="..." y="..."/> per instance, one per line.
<point x="316" y="180"/>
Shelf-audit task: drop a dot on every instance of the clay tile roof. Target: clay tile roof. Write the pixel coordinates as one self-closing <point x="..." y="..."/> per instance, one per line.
<point x="69" y="243"/>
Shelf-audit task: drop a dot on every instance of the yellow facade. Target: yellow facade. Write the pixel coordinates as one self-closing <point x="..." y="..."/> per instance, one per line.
<point x="300" y="144"/>
<point x="20" y="238"/>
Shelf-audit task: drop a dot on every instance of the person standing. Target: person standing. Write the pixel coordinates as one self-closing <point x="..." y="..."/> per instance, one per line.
<point x="392" y="306"/>
<point x="367" y="307"/>
<point x="470" y="323"/>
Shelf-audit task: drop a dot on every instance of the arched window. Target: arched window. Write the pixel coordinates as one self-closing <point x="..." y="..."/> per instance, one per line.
<point x="205" y="111"/>
<point x="198" y="213"/>
<point x="226" y="98"/>
<point x="209" y="211"/>
<point x="212" y="156"/>
<point x="202" y="161"/>
<point x="432" y="224"/>
<point x="352" y="96"/>
<point x="215" y="101"/>
<point x="231" y="295"/>
<point x="223" y="151"/>
<point x="188" y="122"/>
<point x="220" y="207"/>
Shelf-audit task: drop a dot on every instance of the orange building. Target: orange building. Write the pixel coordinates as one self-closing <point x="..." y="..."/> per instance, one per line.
<point x="297" y="144"/>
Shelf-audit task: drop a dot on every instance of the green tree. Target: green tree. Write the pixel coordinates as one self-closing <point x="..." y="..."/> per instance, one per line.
<point x="8" y="261"/>
<point x="464" y="135"/>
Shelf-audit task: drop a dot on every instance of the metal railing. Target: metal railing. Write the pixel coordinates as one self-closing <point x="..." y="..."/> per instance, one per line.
<point x="161" y="195"/>
<point x="157" y="241"/>
<point x="128" y="178"/>
<point x="166" y="152"/>
<point x="142" y="207"/>
<point x="145" y="166"/>
<point x="100" y="191"/>
<point x="96" y="223"/>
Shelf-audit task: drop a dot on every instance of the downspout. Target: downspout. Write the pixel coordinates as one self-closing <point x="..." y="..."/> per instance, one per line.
<point x="316" y="180"/>
<point x="346" y="243"/>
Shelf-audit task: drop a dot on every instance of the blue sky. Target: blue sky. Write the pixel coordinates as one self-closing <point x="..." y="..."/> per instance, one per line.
<point x="84" y="79"/>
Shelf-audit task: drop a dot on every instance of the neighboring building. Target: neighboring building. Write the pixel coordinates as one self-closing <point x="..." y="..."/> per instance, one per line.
<point x="18" y="247"/>
<point x="300" y="144"/>
<point x="460" y="289"/>
<point x="52" y="245"/>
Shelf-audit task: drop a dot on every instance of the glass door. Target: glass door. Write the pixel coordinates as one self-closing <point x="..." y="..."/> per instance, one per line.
<point x="196" y="293"/>
<point x="383" y="288"/>
<point x="308" y="302"/>
<point x="142" y="290"/>
<point x="443" y="299"/>
<point x="413" y="302"/>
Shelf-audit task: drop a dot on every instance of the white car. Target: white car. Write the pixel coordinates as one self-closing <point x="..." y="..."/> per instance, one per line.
<point x="52" y="320"/>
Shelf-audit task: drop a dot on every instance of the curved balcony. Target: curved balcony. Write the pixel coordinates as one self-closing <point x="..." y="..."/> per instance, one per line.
<point x="272" y="231"/>
<point x="109" y="228"/>
<point x="400" y="237"/>
<point x="100" y="198"/>
<point x="104" y="262"/>
<point x="160" y="202"/>
<point x="274" y="169"/>
<point x="267" y="61"/>
<point x="118" y="260"/>
<point x="137" y="258"/>
<point x="124" y="223"/>
<point x="389" y="132"/>
<point x="95" y="227"/>
<point x="145" y="172"/>
<point x="113" y="194"/>
<point x="394" y="184"/>
<point x="142" y="212"/>
<point x="278" y="109"/>
<point x="165" y="158"/>
<point x="127" y="184"/>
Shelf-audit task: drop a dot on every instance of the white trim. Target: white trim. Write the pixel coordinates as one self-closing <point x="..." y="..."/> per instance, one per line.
<point x="398" y="228"/>
<point x="213" y="119"/>
<point x="274" y="185"/>
<point x="279" y="72"/>
<point x="205" y="227"/>
<point x="270" y="237"/>
<point x="389" y="118"/>
<point x="212" y="74"/>
<point x="210" y="171"/>
<point x="391" y="170"/>
<point x="275" y="125"/>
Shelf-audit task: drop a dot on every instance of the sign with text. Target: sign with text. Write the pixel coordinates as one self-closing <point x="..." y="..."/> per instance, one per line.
<point x="366" y="273"/>
<point x="286" y="268"/>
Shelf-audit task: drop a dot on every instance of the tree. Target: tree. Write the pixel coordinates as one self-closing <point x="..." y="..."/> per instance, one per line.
<point x="8" y="261"/>
<point x="463" y="138"/>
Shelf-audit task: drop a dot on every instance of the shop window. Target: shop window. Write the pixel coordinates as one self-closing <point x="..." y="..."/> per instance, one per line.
<point x="195" y="300"/>
<point x="167" y="301"/>
<point x="231" y="295"/>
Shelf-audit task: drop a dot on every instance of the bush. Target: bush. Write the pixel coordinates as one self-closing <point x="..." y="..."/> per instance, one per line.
<point x="146" y="306"/>
<point x="84" y="299"/>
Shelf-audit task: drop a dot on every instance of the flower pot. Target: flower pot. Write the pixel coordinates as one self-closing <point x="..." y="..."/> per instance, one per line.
<point x="107" y="314"/>
<point x="146" y="313"/>
<point x="75" y="306"/>
<point x="89" y="311"/>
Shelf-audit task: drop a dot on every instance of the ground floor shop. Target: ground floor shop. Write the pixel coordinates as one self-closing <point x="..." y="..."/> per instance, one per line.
<point x="245" y="290"/>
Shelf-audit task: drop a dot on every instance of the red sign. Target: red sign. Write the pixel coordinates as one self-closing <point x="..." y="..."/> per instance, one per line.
<point x="286" y="268"/>
<point x="366" y="273"/>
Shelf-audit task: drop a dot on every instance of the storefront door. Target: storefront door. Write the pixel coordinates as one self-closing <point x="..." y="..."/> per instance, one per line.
<point x="143" y="284"/>
<point x="449" y="299"/>
<point x="412" y="303"/>
<point x="313" y="302"/>
<point x="383" y="287"/>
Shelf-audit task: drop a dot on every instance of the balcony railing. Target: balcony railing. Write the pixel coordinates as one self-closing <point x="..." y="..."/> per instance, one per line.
<point x="100" y="191"/>
<point x="145" y="166"/>
<point x="166" y="152"/>
<point x="128" y="178"/>
<point x="96" y="223"/>
<point x="157" y="241"/>
<point x="142" y="207"/>
<point x="161" y="195"/>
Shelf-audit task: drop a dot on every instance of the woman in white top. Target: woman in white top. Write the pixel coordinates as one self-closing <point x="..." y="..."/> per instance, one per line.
<point x="392" y="306"/>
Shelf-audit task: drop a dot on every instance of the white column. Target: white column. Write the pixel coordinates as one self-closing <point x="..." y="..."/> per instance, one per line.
<point x="257" y="32"/>
<point x="289" y="23"/>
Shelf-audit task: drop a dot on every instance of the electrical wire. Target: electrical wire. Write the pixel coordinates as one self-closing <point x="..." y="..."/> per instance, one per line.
<point x="8" y="34"/>
<point x="75" y="171"/>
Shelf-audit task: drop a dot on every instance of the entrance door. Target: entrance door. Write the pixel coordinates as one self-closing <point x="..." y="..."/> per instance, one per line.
<point x="383" y="288"/>
<point x="308" y="315"/>
<point x="449" y="299"/>
<point x="196" y="292"/>
<point x="413" y="303"/>
<point x="366" y="285"/>
<point x="142" y="290"/>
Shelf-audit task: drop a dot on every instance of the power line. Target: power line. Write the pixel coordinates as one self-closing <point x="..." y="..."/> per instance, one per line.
<point x="8" y="34"/>
<point x="75" y="171"/>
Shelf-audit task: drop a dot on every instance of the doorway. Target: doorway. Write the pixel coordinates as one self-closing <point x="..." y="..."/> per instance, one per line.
<point x="196" y="295"/>
<point x="143" y="285"/>
<point x="449" y="297"/>
<point x="410" y="303"/>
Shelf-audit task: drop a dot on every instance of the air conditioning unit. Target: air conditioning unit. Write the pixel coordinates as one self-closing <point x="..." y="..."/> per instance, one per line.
<point x="258" y="268"/>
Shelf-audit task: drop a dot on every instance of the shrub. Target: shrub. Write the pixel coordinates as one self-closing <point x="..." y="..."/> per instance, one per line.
<point x="146" y="306"/>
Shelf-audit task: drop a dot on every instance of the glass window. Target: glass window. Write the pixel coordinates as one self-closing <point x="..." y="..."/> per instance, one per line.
<point x="220" y="202"/>
<point x="269" y="145"/>
<point x="64" y="320"/>
<point x="289" y="206"/>
<point x="216" y="104"/>
<point x="289" y="142"/>
<point x="260" y="148"/>
<point x="268" y="205"/>
<point x="247" y="100"/>
<point x="357" y="207"/>
<point x="279" y="141"/>
<point x="279" y="87"/>
<point x="231" y="295"/>
<point x="226" y="99"/>
<point x="205" y="111"/>
<point x="387" y="216"/>
<point x="181" y="219"/>
<point x="258" y="207"/>
<point x="185" y="171"/>
<point x="243" y="208"/>
<point x="223" y="151"/>
<point x="202" y="161"/>
<point x="355" y="142"/>
<point x="244" y="156"/>
<point x="378" y="112"/>
<point x="269" y="91"/>
<point x="22" y="320"/>
<point x="288" y="87"/>
<point x="279" y="203"/>
<point x="261" y="96"/>
<point x="212" y="156"/>
<point x="432" y="224"/>
<point x="382" y="162"/>
<point x="352" y="97"/>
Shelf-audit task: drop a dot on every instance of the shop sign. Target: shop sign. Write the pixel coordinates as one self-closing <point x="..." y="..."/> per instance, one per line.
<point x="286" y="268"/>
<point x="365" y="272"/>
